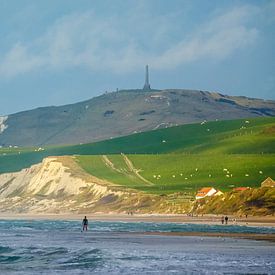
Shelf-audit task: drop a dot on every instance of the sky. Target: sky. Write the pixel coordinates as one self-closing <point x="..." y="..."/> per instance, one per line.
<point x="57" y="52"/>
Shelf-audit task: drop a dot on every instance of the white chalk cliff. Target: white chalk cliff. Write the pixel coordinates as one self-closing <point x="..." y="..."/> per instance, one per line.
<point x="3" y="127"/>
<point x="60" y="185"/>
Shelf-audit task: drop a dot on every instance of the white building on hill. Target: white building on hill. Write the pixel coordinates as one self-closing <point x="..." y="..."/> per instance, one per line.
<point x="207" y="192"/>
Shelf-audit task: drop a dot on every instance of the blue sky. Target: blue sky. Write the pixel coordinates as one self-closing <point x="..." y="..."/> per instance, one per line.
<point x="57" y="52"/>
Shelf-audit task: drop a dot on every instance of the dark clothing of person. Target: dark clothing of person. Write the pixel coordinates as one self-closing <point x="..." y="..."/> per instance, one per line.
<point x="226" y="219"/>
<point x="85" y="224"/>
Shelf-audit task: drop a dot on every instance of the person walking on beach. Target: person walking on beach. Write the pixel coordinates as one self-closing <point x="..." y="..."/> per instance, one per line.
<point x="85" y="224"/>
<point x="222" y="220"/>
<point x="226" y="219"/>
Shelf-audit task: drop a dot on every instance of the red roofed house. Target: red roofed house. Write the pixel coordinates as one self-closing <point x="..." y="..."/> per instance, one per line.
<point x="205" y="192"/>
<point x="239" y="189"/>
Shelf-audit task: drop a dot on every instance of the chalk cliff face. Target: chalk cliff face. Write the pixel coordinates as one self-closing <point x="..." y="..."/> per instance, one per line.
<point x="59" y="185"/>
<point x="48" y="178"/>
<point x="3" y="127"/>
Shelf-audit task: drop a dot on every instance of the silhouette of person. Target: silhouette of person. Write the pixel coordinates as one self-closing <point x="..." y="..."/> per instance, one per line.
<point x="226" y="219"/>
<point x="85" y="224"/>
<point x="222" y="220"/>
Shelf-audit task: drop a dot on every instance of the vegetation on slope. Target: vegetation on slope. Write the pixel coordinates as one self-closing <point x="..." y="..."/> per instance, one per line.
<point x="125" y="112"/>
<point x="171" y="173"/>
<point x="259" y="201"/>
<point x="177" y="159"/>
<point x="219" y="137"/>
<point x="174" y="163"/>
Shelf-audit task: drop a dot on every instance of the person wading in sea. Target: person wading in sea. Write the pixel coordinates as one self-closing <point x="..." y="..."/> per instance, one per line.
<point x="85" y="224"/>
<point x="226" y="219"/>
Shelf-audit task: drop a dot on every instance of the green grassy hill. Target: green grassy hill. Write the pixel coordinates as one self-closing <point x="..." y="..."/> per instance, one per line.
<point x="177" y="159"/>
<point x="125" y="112"/>
<point x="169" y="173"/>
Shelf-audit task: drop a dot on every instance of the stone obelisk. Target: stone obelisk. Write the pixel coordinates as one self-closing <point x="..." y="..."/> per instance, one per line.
<point x="147" y="84"/>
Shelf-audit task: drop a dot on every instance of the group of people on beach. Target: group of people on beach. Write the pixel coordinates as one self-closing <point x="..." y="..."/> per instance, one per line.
<point x="224" y="220"/>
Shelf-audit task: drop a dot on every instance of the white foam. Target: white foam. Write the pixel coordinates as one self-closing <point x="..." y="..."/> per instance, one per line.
<point x="3" y="127"/>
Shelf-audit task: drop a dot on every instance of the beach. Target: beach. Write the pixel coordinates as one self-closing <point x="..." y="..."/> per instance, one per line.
<point x="205" y="219"/>
<point x="253" y="221"/>
<point x="55" y="246"/>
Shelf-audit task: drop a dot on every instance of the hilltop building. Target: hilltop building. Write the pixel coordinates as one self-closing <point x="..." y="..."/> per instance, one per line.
<point x="146" y="86"/>
<point x="269" y="182"/>
<point x="207" y="192"/>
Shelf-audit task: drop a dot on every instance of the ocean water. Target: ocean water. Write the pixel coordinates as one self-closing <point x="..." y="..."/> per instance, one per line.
<point x="59" y="247"/>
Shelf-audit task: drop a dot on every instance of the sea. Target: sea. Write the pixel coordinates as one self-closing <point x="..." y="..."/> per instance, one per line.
<point x="60" y="247"/>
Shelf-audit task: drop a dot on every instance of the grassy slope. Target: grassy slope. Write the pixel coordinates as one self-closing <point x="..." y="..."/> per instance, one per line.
<point x="242" y="148"/>
<point x="175" y="171"/>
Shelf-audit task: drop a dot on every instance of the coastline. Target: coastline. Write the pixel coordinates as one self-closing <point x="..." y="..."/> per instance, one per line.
<point x="253" y="221"/>
<point x="159" y="218"/>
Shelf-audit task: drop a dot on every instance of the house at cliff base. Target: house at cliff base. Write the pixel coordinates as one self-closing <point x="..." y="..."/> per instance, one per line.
<point x="207" y="192"/>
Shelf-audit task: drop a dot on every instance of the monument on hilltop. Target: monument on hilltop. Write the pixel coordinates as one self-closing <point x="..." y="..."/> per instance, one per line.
<point x="147" y="84"/>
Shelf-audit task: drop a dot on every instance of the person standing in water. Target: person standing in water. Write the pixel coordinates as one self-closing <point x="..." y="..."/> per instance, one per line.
<point x="226" y="219"/>
<point x="85" y="224"/>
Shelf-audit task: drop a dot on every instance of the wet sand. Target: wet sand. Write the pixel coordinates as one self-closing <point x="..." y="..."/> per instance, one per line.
<point x="206" y="219"/>
<point x="268" y="221"/>
<point x="249" y="236"/>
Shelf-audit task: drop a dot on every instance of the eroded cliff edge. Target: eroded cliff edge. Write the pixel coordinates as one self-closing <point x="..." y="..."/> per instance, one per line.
<point x="60" y="185"/>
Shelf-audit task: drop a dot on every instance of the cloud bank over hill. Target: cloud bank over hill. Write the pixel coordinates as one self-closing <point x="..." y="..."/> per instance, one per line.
<point x="118" y="44"/>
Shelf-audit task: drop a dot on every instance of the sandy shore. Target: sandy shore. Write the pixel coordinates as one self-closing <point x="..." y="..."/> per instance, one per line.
<point x="206" y="219"/>
<point x="250" y="236"/>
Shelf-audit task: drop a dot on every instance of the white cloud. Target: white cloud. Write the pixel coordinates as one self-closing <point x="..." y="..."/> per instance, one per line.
<point x="216" y="40"/>
<point x="18" y="61"/>
<point x="87" y="40"/>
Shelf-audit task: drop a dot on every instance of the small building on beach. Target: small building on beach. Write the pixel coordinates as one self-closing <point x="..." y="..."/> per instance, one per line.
<point x="269" y="182"/>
